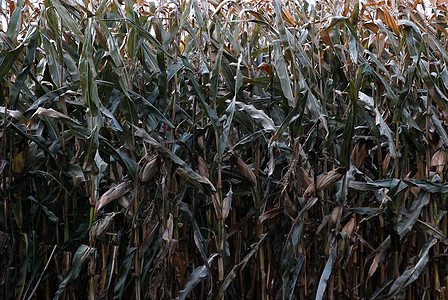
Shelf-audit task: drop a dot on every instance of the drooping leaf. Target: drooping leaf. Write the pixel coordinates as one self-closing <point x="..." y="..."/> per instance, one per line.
<point x="82" y="255"/>
<point x="7" y="59"/>
<point x="16" y="114"/>
<point x="291" y="275"/>
<point x="259" y="116"/>
<point x="230" y="111"/>
<point x="208" y="110"/>
<point x="232" y="274"/>
<point x="283" y="74"/>
<point x="214" y="81"/>
<point x="348" y="135"/>
<point x="90" y="150"/>
<point x="196" y="276"/>
<point x="432" y="231"/>
<point x="68" y="19"/>
<point x="412" y="273"/>
<point x="198" y="238"/>
<point x="145" y="34"/>
<point x="326" y="273"/>
<point x="387" y="132"/>
<point x="87" y="73"/>
<point x="15" y="21"/>
<point x="403" y="228"/>
<point x="54" y="114"/>
<point x="52" y="95"/>
<point x="124" y="271"/>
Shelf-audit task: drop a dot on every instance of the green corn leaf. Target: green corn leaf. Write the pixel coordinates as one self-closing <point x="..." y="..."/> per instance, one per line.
<point x="146" y="34"/>
<point x="7" y="59"/>
<point x="90" y="150"/>
<point x="119" y="66"/>
<point x="413" y="273"/>
<point x="125" y="269"/>
<point x="68" y="20"/>
<point x="349" y="130"/>
<point x="82" y="255"/>
<point x="15" y="21"/>
<point x="326" y="273"/>
<point x="87" y="73"/>
<point x="196" y="276"/>
<point x="208" y="110"/>
<point x="291" y="275"/>
<point x="282" y="71"/>
<point x="215" y="75"/>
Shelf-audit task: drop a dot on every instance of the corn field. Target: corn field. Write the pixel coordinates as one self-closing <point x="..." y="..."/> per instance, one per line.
<point x="208" y="149"/>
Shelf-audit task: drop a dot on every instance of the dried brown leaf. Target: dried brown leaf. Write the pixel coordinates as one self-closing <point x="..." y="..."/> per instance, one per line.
<point x="49" y="112"/>
<point x="265" y="68"/>
<point x="226" y="205"/>
<point x="113" y="193"/>
<point x="99" y="228"/>
<point x="150" y="169"/>
<point x="335" y="217"/>
<point x="374" y="264"/>
<point x="270" y="214"/>
<point x="286" y="15"/>
<point x="359" y="153"/>
<point x="233" y="272"/>
<point x="19" y="161"/>
<point x="349" y="228"/>
<point x="391" y="22"/>
<point x="13" y="113"/>
<point x="246" y="171"/>
<point x="386" y="162"/>
<point x="186" y="176"/>
<point x="202" y="167"/>
<point x="330" y="179"/>
<point x="305" y="177"/>
<point x="124" y="202"/>
<point x="325" y="181"/>
<point x="439" y="161"/>
<point x="371" y="26"/>
<point x="217" y="206"/>
<point x="168" y="231"/>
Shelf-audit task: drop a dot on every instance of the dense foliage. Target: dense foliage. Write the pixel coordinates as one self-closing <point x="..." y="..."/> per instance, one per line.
<point x="223" y="149"/>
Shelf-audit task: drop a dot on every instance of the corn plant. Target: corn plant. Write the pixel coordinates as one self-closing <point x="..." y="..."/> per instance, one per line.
<point x="201" y="149"/>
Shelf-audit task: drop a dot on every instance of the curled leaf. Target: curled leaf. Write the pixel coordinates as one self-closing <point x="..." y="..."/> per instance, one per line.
<point x="115" y="192"/>
<point x="439" y="161"/>
<point x="13" y="113"/>
<point x="349" y="228"/>
<point x="49" y="112"/>
<point x="99" y="228"/>
<point x="150" y="169"/>
<point x="227" y="204"/>
<point x="195" y="180"/>
<point x="202" y="168"/>
<point x="325" y="181"/>
<point x="168" y="231"/>
<point x="246" y="171"/>
<point x="217" y="206"/>
<point x="265" y="68"/>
